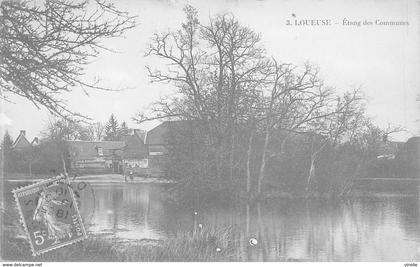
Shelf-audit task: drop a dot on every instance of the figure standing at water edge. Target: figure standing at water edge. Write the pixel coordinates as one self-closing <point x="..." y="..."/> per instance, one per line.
<point x="130" y="173"/>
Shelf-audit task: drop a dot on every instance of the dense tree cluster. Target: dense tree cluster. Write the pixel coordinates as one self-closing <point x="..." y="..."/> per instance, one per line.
<point x="249" y="107"/>
<point x="52" y="152"/>
<point x="113" y="131"/>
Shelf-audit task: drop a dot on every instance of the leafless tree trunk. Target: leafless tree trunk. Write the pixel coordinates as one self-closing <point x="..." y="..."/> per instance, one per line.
<point x="216" y="68"/>
<point x="332" y="129"/>
<point x="294" y="100"/>
<point x="261" y="175"/>
<point x="63" y="162"/>
<point x="232" y="157"/>
<point x="311" y="173"/>
<point x="312" y="168"/>
<point x="248" y="162"/>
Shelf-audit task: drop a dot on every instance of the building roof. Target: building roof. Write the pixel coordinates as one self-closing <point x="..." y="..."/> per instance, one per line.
<point x="161" y="134"/>
<point x="21" y="141"/>
<point x="131" y="146"/>
<point x="140" y="133"/>
<point x="415" y="140"/>
<point x="89" y="149"/>
<point x="413" y="145"/>
<point x="134" y="146"/>
<point x="390" y="149"/>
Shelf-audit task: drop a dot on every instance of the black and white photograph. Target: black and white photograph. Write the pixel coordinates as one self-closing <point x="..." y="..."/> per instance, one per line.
<point x="209" y="131"/>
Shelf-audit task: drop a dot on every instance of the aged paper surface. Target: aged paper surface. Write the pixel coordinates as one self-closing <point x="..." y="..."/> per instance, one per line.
<point x="238" y="131"/>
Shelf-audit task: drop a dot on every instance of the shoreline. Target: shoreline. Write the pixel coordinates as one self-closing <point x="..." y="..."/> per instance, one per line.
<point x="119" y="180"/>
<point x="103" y="179"/>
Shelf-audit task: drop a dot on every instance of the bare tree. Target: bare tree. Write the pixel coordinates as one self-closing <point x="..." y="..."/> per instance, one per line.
<point x="366" y="140"/>
<point x="343" y="118"/>
<point x="46" y="47"/>
<point x="66" y="130"/>
<point x="96" y="131"/>
<point x="216" y="68"/>
<point x="59" y="131"/>
<point x="294" y="98"/>
<point x="225" y="81"/>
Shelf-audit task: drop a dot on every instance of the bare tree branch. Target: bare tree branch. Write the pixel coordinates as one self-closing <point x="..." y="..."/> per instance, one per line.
<point x="45" y="48"/>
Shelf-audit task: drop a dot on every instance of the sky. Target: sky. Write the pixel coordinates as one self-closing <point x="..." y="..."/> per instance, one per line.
<point x="383" y="60"/>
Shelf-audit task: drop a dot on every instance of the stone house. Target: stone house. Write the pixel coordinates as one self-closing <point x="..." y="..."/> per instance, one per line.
<point x="109" y="156"/>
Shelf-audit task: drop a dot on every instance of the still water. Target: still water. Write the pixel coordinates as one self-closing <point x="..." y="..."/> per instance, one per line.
<point x="369" y="229"/>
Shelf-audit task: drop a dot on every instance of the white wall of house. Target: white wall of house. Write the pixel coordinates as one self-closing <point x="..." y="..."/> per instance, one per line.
<point x="136" y="163"/>
<point x="95" y="163"/>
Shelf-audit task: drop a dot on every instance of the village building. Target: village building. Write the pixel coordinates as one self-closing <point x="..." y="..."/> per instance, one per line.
<point x="135" y="153"/>
<point x="150" y="154"/>
<point x="109" y="156"/>
<point x="413" y="157"/>
<point x="96" y="156"/>
<point x="20" y="154"/>
<point x="22" y="143"/>
<point x="167" y="138"/>
<point x="390" y="149"/>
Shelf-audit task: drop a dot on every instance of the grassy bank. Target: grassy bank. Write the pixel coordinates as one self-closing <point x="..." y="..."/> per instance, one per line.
<point x="205" y="245"/>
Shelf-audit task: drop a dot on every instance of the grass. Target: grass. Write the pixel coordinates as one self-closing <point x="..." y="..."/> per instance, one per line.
<point x="207" y="244"/>
<point x="204" y="245"/>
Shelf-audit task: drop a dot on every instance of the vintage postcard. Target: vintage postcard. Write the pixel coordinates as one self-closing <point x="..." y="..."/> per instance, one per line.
<point x="210" y="131"/>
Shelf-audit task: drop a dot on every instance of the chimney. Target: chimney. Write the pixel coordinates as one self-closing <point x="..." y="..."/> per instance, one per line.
<point x="23" y="132"/>
<point x="35" y="142"/>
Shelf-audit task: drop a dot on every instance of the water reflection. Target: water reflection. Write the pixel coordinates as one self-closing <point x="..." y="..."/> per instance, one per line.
<point x="385" y="229"/>
<point x="128" y="212"/>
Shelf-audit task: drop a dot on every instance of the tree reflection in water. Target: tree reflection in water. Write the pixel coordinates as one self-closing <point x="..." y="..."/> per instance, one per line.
<point x="287" y="229"/>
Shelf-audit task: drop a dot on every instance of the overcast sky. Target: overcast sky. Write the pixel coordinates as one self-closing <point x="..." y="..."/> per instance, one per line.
<point x="383" y="59"/>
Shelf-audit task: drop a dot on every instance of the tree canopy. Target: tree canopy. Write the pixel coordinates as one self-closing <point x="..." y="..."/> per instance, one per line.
<point x="111" y="129"/>
<point x="7" y="142"/>
<point x="46" y="47"/>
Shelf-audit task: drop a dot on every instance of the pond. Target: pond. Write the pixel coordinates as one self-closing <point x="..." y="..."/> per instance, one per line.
<point x="361" y="229"/>
<point x="367" y="229"/>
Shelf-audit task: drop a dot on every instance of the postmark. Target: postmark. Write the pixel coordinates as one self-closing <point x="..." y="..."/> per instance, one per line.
<point x="50" y="215"/>
<point x="85" y="199"/>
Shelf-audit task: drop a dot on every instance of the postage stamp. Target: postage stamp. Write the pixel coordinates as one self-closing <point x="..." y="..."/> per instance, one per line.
<point x="49" y="214"/>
